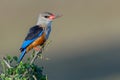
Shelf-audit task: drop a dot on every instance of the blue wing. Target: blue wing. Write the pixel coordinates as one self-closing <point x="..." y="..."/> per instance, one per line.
<point x="33" y="34"/>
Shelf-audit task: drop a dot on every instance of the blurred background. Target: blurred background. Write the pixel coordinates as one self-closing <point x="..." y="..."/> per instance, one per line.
<point x="85" y="40"/>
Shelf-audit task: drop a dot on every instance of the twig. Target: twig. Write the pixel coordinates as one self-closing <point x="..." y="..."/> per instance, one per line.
<point x="35" y="56"/>
<point x="34" y="77"/>
<point x="25" y="73"/>
<point x="4" y="60"/>
<point x="39" y="52"/>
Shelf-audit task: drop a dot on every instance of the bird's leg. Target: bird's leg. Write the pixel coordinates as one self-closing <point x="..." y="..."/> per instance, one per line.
<point x="37" y="52"/>
<point x="37" y="49"/>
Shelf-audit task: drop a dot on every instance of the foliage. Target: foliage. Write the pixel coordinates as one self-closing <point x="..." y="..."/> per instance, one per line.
<point x="11" y="70"/>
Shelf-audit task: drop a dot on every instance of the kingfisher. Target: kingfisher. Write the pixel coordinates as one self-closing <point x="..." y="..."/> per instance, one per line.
<point x="38" y="34"/>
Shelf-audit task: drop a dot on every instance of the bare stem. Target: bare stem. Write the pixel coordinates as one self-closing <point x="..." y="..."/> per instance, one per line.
<point x="25" y="73"/>
<point x="34" y="77"/>
<point x="39" y="52"/>
<point x="35" y="57"/>
<point x="8" y="65"/>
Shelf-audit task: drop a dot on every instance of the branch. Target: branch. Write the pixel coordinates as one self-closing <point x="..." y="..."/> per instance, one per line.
<point x="35" y="56"/>
<point x="34" y="77"/>
<point x="8" y="65"/>
<point x="39" y="52"/>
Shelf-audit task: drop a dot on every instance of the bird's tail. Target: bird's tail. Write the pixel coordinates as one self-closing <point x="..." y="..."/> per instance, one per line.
<point x="22" y="55"/>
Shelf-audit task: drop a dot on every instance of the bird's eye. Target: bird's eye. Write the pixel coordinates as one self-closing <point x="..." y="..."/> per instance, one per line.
<point x="46" y="16"/>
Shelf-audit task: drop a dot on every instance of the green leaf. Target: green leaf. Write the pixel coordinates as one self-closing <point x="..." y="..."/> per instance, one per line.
<point x="8" y="57"/>
<point x="15" y="58"/>
<point x="2" y="76"/>
<point x="10" y="71"/>
<point x="3" y="66"/>
<point x="7" y="78"/>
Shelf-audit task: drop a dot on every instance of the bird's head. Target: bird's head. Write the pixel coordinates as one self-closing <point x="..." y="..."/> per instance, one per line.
<point x="46" y="17"/>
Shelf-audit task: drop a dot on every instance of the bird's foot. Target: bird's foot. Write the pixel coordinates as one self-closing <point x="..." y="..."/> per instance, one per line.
<point x="37" y="49"/>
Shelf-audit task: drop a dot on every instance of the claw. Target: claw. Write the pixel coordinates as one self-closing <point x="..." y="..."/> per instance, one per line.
<point x="37" y="49"/>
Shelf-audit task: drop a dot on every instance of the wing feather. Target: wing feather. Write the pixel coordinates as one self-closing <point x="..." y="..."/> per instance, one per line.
<point x="33" y="34"/>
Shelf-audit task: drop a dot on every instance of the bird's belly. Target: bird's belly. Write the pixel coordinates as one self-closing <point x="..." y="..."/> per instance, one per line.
<point x="38" y="41"/>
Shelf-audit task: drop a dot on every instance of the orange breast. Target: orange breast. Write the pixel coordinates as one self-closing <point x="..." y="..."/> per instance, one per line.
<point x="38" y="41"/>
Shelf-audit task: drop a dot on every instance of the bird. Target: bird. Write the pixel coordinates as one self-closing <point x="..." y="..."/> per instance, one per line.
<point x="38" y="34"/>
